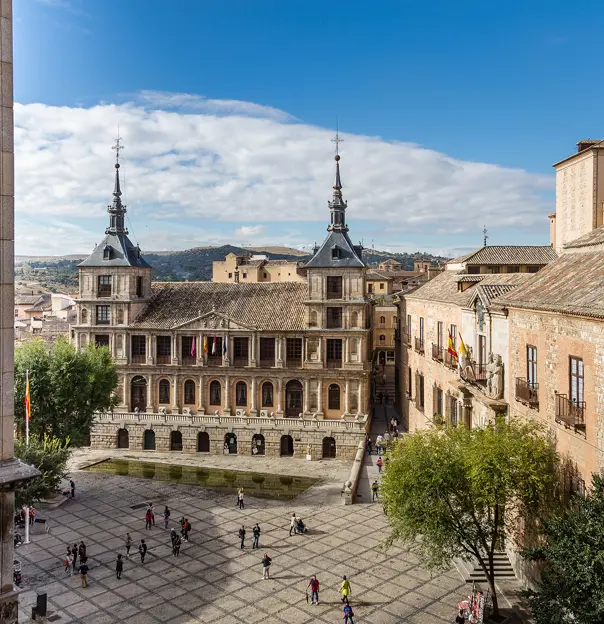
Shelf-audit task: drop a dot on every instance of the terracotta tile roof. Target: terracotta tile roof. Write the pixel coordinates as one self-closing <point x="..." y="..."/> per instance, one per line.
<point x="574" y="284"/>
<point x="509" y="254"/>
<point x="376" y="275"/>
<point x="443" y="289"/>
<point x="471" y="278"/>
<point x="595" y="237"/>
<point x="494" y="286"/>
<point x="273" y="307"/>
<point x="26" y="299"/>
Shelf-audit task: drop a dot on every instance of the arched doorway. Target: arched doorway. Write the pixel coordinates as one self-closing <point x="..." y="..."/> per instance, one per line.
<point x="293" y="399"/>
<point x="123" y="438"/>
<point x="203" y="442"/>
<point x="138" y="394"/>
<point x="176" y="441"/>
<point x="287" y="446"/>
<point x="149" y="440"/>
<point x="230" y="444"/>
<point x="329" y="448"/>
<point x="258" y="447"/>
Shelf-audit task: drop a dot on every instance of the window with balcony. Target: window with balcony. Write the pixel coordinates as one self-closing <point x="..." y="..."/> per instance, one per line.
<point x="570" y="409"/>
<point x="164" y="392"/>
<point x="334" y="318"/>
<point x="334" y="353"/>
<point x="334" y="287"/>
<point x="188" y="350"/>
<point x="138" y="349"/>
<point x="267" y="352"/>
<point x="104" y="286"/>
<point x="240" y="351"/>
<point x="481" y="367"/>
<point x="527" y="388"/>
<point x="293" y="352"/>
<point x="215" y="393"/>
<point x="164" y="349"/>
<point x="382" y="340"/>
<point x="214" y="349"/>
<point x="382" y="321"/>
<point x="103" y="315"/>
<point x="189" y="392"/>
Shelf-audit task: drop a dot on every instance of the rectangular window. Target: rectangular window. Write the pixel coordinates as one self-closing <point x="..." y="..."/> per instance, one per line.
<point x="482" y="351"/>
<point x="214" y="348"/>
<point x="453" y="410"/>
<point x="164" y="346"/>
<point x="334" y="353"/>
<point x="215" y="393"/>
<point x="188" y="353"/>
<point x="294" y="351"/>
<point x="408" y="328"/>
<point x="531" y="365"/>
<point x="576" y="380"/>
<point x="267" y="394"/>
<point x="241" y="394"/>
<point x="439" y="335"/>
<point x="138" y="347"/>
<point x="104" y="285"/>
<point x="454" y="335"/>
<point x="139" y="286"/>
<point x="389" y="357"/>
<point x="334" y="318"/>
<point x="369" y="288"/>
<point x="240" y="351"/>
<point x="513" y="269"/>
<point x="103" y="315"/>
<point x="267" y="351"/>
<point x="189" y="392"/>
<point x="334" y="287"/>
<point x="101" y="340"/>
<point x="409" y="382"/>
<point x="419" y="391"/>
<point x="421" y="329"/>
<point x="230" y="277"/>
<point x="381" y="285"/>
<point x="438" y="408"/>
<point x="164" y="392"/>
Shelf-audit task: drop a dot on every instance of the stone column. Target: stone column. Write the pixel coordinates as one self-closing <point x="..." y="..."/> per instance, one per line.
<point x="305" y="397"/>
<point x="360" y="409"/>
<point x="226" y="398"/>
<point x="279" y="351"/>
<point x="320" y="396"/>
<point x="126" y="395"/>
<point x="253" y="410"/>
<point x="175" y="351"/>
<point x="12" y="472"/>
<point x="199" y="354"/>
<point x="150" y="346"/>
<point x="175" y="393"/>
<point x="347" y="397"/>
<point x="279" y="391"/>
<point x="150" y="393"/>
<point x="200" y="403"/>
<point x="345" y="350"/>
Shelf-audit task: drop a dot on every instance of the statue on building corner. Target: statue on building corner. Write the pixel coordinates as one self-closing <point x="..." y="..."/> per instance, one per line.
<point x="495" y="376"/>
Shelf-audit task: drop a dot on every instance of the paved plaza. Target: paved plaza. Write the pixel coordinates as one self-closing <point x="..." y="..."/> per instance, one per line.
<point x="213" y="580"/>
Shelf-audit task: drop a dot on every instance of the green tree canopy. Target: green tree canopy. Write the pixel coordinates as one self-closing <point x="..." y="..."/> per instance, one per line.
<point x="67" y="387"/>
<point x="572" y="580"/>
<point x="457" y="492"/>
<point x="50" y="457"/>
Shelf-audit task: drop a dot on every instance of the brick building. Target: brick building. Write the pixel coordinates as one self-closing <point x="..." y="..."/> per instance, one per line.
<point x="251" y="368"/>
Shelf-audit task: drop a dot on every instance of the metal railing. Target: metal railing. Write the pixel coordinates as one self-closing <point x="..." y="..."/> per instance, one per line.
<point x="419" y="345"/>
<point x="240" y="362"/>
<point x="334" y="363"/>
<point x="449" y="360"/>
<point x="189" y="360"/>
<point x="138" y="359"/>
<point x="527" y="392"/>
<point x="163" y="359"/>
<point x="570" y="412"/>
<point x="437" y="352"/>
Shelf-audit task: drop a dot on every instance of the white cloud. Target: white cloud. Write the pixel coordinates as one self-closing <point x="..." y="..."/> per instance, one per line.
<point x="193" y="173"/>
<point x="249" y="230"/>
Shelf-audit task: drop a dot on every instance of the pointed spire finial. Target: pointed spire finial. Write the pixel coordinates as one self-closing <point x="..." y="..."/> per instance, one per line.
<point x="117" y="210"/>
<point x="117" y="147"/>
<point x="337" y="206"/>
<point x="484" y="233"/>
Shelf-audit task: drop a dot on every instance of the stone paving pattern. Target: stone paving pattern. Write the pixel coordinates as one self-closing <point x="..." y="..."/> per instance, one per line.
<point x="213" y="580"/>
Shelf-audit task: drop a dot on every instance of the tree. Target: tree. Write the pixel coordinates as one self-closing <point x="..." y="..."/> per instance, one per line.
<point x="67" y="387"/>
<point x="458" y="492"/>
<point x="50" y="457"/>
<point x="572" y="579"/>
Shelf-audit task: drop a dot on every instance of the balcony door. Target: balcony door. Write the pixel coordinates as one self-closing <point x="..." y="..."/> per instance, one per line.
<point x="531" y="366"/>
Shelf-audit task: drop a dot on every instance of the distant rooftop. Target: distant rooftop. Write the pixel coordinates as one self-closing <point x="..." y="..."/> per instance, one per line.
<point x="508" y="254"/>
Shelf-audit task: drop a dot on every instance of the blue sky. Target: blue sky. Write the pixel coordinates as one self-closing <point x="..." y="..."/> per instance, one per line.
<point x="432" y="91"/>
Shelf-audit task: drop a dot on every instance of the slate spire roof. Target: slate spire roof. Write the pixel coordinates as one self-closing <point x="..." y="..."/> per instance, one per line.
<point x="116" y="249"/>
<point x="337" y="249"/>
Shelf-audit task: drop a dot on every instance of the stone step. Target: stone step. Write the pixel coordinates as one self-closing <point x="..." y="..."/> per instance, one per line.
<point x="471" y="573"/>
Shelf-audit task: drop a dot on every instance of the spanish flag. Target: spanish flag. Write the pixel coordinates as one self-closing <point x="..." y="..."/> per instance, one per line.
<point x="205" y="345"/>
<point x="27" y="398"/>
<point x="451" y="348"/>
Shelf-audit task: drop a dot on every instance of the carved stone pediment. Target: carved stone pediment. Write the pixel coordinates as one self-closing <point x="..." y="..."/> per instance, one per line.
<point x="214" y="321"/>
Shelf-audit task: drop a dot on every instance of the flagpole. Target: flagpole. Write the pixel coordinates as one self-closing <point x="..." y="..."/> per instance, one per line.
<point x="27" y="413"/>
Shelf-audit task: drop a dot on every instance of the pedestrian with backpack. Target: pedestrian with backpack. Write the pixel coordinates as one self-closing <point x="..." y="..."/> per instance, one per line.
<point x="374" y="490"/>
<point x="379" y="463"/>
<point x="348" y="613"/>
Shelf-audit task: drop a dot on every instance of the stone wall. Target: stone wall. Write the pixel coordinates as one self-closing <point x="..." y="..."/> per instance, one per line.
<point x="557" y="337"/>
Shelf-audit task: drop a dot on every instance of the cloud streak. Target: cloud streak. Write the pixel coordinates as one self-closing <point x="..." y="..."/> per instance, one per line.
<point x="187" y="168"/>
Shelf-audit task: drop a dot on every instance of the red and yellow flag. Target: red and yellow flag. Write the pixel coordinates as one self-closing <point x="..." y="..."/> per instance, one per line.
<point x="205" y="345"/>
<point x="27" y="398"/>
<point x="451" y="348"/>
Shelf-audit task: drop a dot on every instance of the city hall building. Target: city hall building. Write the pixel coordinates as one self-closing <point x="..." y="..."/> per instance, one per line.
<point x="241" y="368"/>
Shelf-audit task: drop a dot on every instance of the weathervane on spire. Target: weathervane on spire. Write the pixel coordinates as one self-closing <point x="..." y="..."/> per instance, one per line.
<point x="117" y="147"/>
<point x="484" y="232"/>
<point x="337" y="140"/>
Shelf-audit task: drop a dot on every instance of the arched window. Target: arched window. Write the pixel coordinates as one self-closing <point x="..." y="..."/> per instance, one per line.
<point x="164" y="392"/>
<point x="189" y="392"/>
<point x="382" y="320"/>
<point x="313" y="318"/>
<point x="333" y="400"/>
<point x="241" y="394"/>
<point x="215" y="393"/>
<point x="176" y="441"/>
<point x="382" y="339"/>
<point x="354" y="319"/>
<point x="84" y="315"/>
<point x="267" y="394"/>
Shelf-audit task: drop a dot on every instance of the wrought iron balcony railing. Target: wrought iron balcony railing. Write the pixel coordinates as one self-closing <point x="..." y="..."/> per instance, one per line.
<point x="527" y="392"/>
<point x="570" y="412"/>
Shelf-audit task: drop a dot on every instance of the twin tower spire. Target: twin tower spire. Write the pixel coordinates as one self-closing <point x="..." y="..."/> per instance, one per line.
<point x="117" y="210"/>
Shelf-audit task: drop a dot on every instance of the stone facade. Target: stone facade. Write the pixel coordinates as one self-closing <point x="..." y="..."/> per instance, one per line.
<point x="556" y="338"/>
<point x="255" y="269"/>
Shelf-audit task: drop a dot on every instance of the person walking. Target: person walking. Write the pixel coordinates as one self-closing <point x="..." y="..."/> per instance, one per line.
<point x="461" y="618"/>
<point x="84" y="573"/>
<point x="148" y="519"/>
<point x="379" y="463"/>
<point x="72" y="487"/>
<point x="240" y="498"/>
<point x="82" y="552"/>
<point x="374" y="490"/>
<point x="186" y="527"/>
<point x="68" y="561"/>
<point x="379" y="444"/>
<point x="345" y="589"/>
<point x="173" y="535"/>
<point x="314" y="589"/>
<point x="368" y="444"/>
<point x="293" y="523"/>
<point x="128" y="544"/>
<point x="142" y="549"/>
<point x="119" y="566"/>
<point x="266" y="564"/>
<point x="256" y="536"/>
<point x="176" y="546"/>
<point x="32" y="516"/>
<point x="152" y="513"/>
<point x="242" y="536"/>
<point x="166" y="517"/>
<point x="348" y="613"/>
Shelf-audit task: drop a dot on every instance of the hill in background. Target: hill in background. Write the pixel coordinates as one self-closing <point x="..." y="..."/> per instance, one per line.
<point x="60" y="274"/>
